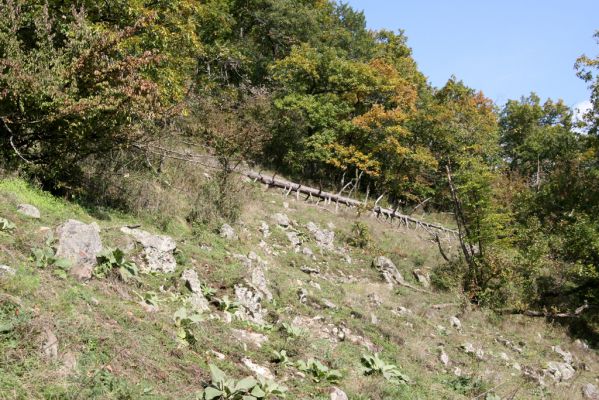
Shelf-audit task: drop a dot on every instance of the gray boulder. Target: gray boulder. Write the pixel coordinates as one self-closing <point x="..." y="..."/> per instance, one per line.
<point x="79" y="243"/>
<point x="422" y="277"/>
<point x="388" y="270"/>
<point x="590" y="391"/>
<point x="560" y="371"/>
<point x="197" y="299"/>
<point x="250" y="308"/>
<point x="338" y="394"/>
<point x="158" y="250"/>
<point x="324" y="238"/>
<point x="281" y="220"/>
<point x="28" y="210"/>
<point x="227" y="232"/>
<point x="5" y="270"/>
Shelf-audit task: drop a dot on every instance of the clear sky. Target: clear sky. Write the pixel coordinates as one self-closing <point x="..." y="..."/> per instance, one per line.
<point x="506" y="48"/>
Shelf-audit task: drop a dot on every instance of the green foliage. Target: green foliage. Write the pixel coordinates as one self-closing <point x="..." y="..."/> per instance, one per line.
<point x="372" y="364"/>
<point x="248" y="388"/>
<point x="281" y="358"/>
<point x="318" y="371"/>
<point x="113" y="262"/>
<point x="45" y="257"/>
<point x="292" y="331"/>
<point x="6" y="225"/>
<point x="226" y="304"/>
<point x="360" y="235"/>
<point x="185" y="323"/>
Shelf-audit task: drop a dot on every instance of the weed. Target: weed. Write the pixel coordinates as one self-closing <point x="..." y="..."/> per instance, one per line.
<point x="360" y="235"/>
<point x="112" y="261"/>
<point x="318" y="371"/>
<point x="248" y="388"/>
<point x="374" y="365"/>
<point x="6" y="225"/>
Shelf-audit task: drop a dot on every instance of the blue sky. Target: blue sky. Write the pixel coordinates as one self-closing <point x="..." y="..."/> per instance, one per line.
<point x="505" y="48"/>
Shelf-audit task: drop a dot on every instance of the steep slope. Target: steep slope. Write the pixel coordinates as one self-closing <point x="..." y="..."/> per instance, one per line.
<point x="284" y="278"/>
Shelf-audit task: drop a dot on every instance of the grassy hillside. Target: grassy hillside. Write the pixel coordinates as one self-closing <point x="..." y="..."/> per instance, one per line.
<point x="110" y="339"/>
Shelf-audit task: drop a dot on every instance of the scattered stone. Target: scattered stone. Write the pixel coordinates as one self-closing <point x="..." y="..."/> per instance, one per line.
<point x="328" y="304"/>
<point x="307" y="252"/>
<point x="294" y="239"/>
<point x="423" y="277"/>
<point x="315" y="285"/>
<point x="29" y="211"/>
<point x="375" y="299"/>
<point x="50" y="345"/>
<point x="69" y="364"/>
<point x="5" y="270"/>
<point x="149" y="308"/>
<point x="302" y="295"/>
<point x="281" y="220"/>
<point x="265" y="229"/>
<point x="388" y="270"/>
<point x="560" y="371"/>
<point x="192" y="281"/>
<point x="324" y="238"/>
<point x="373" y="319"/>
<point x="285" y="205"/>
<point x="331" y="225"/>
<point x="443" y="357"/>
<point x="227" y="232"/>
<point x="590" y="391"/>
<point x="455" y="322"/>
<point x="258" y="369"/>
<point x="158" y="250"/>
<point x="470" y="349"/>
<point x="218" y="355"/>
<point x="258" y="282"/>
<point x="504" y="356"/>
<point x="338" y="394"/>
<point x="309" y="270"/>
<point x="566" y="355"/>
<point x="253" y="338"/>
<point x="581" y="344"/>
<point x="402" y="311"/>
<point x="80" y="244"/>
<point x="457" y="371"/>
<point x="250" y="308"/>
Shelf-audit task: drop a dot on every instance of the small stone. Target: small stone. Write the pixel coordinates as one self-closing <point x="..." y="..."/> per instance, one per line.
<point x="265" y="229"/>
<point x="504" y="356"/>
<point x="285" y="205"/>
<point x="338" y="394"/>
<point x="281" y="220"/>
<point x="468" y="348"/>
<point x="227" y="232"/>
<point x="158" y="250"/>
<point x="294" y="239"/>
<point x="253" y="338"/>
<point x="192" y="281"/>
<point x="302" y="295"/>
<point x="5" y="270"/>
<point x="218" y="355"/>
<point x="69" y="364"/>
<point x="258" y="369"/>
<point x="373" y="319"/>
<point x="388" y="270"/>
<point x="329" y="304"/>
<point x="566" y="355"/>
<point x="315" y="285"/>
<point x="50" y="344"/>
<point x="80" y="244"/>
<point x="457" y="371"/>
<point x="307" y="251"/>
<point x="560" y="371"/>
<point x="29" y="211"/>
<point x="375" y="299"/>
<point x="324" y="238"/>
<point x="581" y="344"/>
<point x="443" y="357"/>
<point x="590" y="391"/>
<point x="455" y="322"/>
<point x="423" y="277"/>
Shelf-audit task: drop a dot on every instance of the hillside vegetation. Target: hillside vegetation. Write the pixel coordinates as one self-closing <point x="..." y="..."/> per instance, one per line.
<point x="125" y="119"/>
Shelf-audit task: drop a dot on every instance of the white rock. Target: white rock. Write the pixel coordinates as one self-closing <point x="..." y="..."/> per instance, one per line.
<point x="590" y="391"/>
<point x="28" y="210"/>
<point x="560" y="371"/>
<point x="294" y="239"/>
<point x="504" y="356"/>
<point x="566" y="355"/>
<point x="50" y="344"/>
<point x="227" y="232"/>
<point x="265" y="229"/>
<point x="443" y="357"/>
<point x="250" y="308"/>
<point x="307" y="251"/>
<point x="324" y="238"/>
<point x="281" y="220"/>
<point x="192" y="281"/>
<point x="254" y="338"/>
<point x="388" y="270"/>
<point x="338" y="394"/>
<point x="79" y="243"/>
<point x="423" y="277"/>
<point x="455" y="322"/>
<point x="158" y="250"/>
<point x="258" y="369"/>
<point x="5" y="270"/>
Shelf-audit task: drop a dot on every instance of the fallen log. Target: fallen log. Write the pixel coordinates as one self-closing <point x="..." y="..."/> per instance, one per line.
<point x="330" y="197"/>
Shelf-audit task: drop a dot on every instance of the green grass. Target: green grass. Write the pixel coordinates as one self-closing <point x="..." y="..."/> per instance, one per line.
<point x="123" y="352"/>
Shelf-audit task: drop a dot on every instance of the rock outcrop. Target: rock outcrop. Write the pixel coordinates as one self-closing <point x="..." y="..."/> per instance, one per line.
<point x="79" y="243"/>
<point x="158" y="250"/>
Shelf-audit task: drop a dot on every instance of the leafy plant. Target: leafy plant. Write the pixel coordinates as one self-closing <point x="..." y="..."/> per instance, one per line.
<point x="6" y="225"/>
<point x="374" y="365"/>
<point x="46" y="256"/>
<point x="208" y="292"/>
<point x="292" y="330"/>
<point x="248" y="388"/>
<point x="318" y="371"/>
<point x="281" y="357"/>
<point x="226" y="304"/>
<point x="360" y="235"/>
<point x="113" y="261"/>
<point x="185" y="321"/>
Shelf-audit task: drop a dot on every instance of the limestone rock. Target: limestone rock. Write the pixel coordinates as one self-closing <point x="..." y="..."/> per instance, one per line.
<point x="338" y="394"/>
<point x="281" y="220"/>
<point x="192" y="281"/>
<point x="29" y="211"/>
<point x="79" y="243"/>
<point x="324" y="238"/>
<point x="5" y="270"/>
<point x="560" y="371"/>
<point x="590" y="391"/>
<point x="258" y="370"/>
<point x="227" y="232"/>
<point x="265" y="229"/>
<point x="50" y="345"/>
<point x="443" y="357"/>
<point x="566" y="355"/>
<point x="250" y="308"/>
<point x="294" y="239"/>
<point x="253" y="338"/>
<point x="375" y="299"/>
<point x="422" y="277"/>
<point x="158" y="250"/>
<point x="455" y="322"/>
<point x="388" y="270"/>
